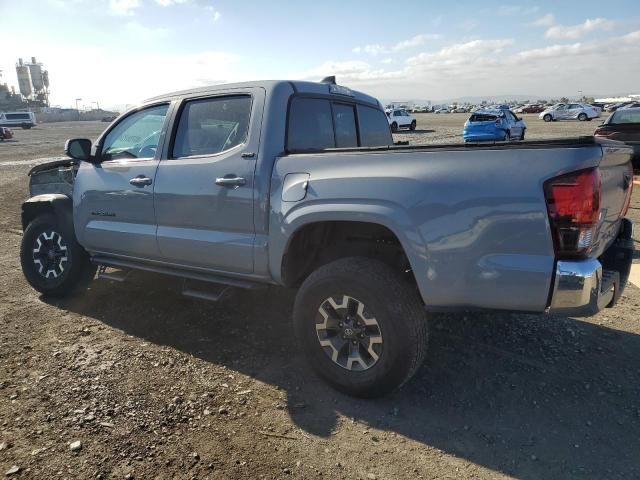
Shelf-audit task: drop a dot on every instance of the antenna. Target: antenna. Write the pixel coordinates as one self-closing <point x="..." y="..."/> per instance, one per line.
<point x="331" y="80"/>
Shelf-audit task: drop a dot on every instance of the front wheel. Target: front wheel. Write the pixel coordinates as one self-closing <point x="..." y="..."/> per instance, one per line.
<point x="582" y="117"/>
<point x="522" y="134"/>
<point x="413" y="125"/>
<point x="394" y="127"/>
<point x="507" y="136"/>
<point x="547" y="117"/>
<point x="52" y="260"/>
<point x="362" y="327"/>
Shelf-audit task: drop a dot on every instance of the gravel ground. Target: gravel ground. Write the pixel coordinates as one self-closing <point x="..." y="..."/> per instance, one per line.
<point x="133" y="380"/>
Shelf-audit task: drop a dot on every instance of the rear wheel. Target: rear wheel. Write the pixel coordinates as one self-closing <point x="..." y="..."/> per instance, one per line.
<point x="582" y="117"/>
<point x="52" y="260"/>
<point x="522" y="134"/>
<point x="413" y="125"/>
<point x="507" y="136"/>
<point x="362" y="327"/>
<point x="394" y="127"/>
<point x="547" y="117"/>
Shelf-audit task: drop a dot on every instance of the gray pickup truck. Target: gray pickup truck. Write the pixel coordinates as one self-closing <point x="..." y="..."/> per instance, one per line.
<point x="299" y="184"/>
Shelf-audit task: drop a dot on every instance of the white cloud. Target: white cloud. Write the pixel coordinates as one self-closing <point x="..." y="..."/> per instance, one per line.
<point x="123" y="7"/>
<point x="413" y="42"/>
<point x="168" y="3"/>
<point x="215" y="14"/>
<point x="144" y="32"/>
<point x="547" y="20"/>
<point x="516" y="10"/>
<point x="578" y="31"/>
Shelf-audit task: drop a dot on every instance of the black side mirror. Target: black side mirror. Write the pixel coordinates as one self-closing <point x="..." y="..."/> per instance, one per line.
<point x="78" y="148"/>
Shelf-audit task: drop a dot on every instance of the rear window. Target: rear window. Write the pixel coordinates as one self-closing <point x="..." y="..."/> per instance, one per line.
<point x="17" y="116"/>
<point x="374" y="127"/>
<point x="482" y="117"/>
<point x="310" y="124"/>
<point x="317" y="124"/>
<point x="625" y="116"/>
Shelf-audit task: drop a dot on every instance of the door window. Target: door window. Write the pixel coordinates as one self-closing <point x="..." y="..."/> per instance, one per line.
<point x="212" y="125"/>
<point x="374" y="128"/>
<point x="136" y="136"/>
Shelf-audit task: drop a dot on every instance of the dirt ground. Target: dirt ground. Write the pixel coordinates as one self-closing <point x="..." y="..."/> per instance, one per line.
<point x="156" y="385"/>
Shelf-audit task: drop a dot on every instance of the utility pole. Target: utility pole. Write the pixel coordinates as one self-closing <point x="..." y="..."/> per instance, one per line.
<point x="77" y="108"/>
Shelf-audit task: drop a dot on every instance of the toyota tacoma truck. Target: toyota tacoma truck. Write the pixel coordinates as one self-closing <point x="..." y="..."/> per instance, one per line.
<point x="299" y="184"/>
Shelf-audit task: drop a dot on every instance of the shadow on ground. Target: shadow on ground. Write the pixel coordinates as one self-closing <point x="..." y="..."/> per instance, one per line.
<point x="530" y="396"/>
<point x="417" y="130"/>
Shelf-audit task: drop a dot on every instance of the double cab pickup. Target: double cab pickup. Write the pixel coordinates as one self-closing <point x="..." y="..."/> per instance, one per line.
<point x="299" y="184"/>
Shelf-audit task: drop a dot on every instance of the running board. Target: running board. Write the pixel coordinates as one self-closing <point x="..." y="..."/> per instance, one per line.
<point x="175" y="272"/>
<point x="204" y="295"/>
<point x="119" y="276"/>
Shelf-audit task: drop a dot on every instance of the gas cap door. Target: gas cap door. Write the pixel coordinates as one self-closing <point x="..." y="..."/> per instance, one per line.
<point x="294" y="187"/>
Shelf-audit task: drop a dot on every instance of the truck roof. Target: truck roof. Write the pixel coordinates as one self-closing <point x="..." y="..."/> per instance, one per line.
<point x="298" y="86"/>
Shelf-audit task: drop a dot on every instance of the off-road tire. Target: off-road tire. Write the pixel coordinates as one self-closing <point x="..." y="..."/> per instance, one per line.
<point x="547" y="117"/>
<point x="413" y="125"/>
<point x="392" y="301"/>
<point x="72" y="275"/>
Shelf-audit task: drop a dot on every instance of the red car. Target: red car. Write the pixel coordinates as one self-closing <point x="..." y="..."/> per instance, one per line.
<point x="623" y="125"/>
<point x="533" y="108"/>
<point x="5" y="134"/>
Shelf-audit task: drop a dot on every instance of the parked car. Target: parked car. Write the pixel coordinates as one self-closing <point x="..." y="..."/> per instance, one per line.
<point x="630" y="105"/>
<point x="25" y="120"/>
<point x="615" y="106"/>
<point x="569" y="111"/>
<point x="493" y="125"/>
<point x="5" y="134"/>
<point x="532" y="108"/>
<point x="283" y="183"/>
<point x="442" y="110"/>
<point x="623" y="125"/>
<point x="399" y="118"/>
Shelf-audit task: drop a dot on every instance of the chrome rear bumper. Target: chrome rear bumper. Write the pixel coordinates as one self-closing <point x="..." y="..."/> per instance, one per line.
<point x="584" y="287"/>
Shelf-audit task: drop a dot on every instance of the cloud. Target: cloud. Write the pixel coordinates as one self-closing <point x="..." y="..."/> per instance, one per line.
<point x="461" y="53"/>
<point x="123" y="7"/>
<point x="168" y="3"/>
<point x="413" y="42"/>
<point x="215" y="14"/>
<point x="516" y="10"/>
<point x="144" y="32"/>
<point x="547" y="20"/>
<point x="578" y="31"/>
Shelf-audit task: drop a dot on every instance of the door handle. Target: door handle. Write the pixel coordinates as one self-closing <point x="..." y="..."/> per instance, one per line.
<point x="140" y="181"/>
<point x="230" y="181"/>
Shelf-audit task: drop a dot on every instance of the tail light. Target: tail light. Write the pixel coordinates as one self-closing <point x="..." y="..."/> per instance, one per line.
<point x="573" y="204"/>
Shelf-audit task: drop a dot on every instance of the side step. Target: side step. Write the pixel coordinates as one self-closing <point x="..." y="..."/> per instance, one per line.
<point x="212" y="296"/>
<point x="117" y="276"/>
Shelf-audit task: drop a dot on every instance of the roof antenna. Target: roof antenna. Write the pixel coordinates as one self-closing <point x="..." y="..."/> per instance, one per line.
<point x="331" y="80"/>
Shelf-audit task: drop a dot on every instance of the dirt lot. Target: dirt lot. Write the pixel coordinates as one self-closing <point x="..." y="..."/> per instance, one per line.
<point x="155" y="385"/>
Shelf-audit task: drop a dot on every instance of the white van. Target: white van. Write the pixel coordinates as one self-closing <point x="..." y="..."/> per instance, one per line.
<point x="17" y="119"/>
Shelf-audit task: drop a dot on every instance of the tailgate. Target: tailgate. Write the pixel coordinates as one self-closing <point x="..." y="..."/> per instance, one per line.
<point x="617" y="181"/>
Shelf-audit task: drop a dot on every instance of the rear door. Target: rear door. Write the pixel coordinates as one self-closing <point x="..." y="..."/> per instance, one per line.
<point x="205" y="182"/>
<point x="113" y="200"/>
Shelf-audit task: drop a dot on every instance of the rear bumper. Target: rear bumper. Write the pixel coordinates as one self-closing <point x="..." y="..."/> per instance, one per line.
<point x="495" y="135"/>
<point x="584" y="287"/>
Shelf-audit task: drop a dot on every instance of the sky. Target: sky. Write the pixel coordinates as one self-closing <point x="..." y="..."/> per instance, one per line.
<point x="119" y="52"/>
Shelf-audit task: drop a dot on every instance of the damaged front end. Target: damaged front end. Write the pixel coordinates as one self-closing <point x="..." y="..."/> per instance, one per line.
<point x="56" y="176"/>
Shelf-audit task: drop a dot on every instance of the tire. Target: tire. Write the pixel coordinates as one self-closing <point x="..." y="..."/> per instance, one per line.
<point x="547" y="117"/>
<point x="522" y="134"/>
<point x="394" y="127"/>
<point x="63" y="272"/>
<point x="413" y="125"/>
<point x="25" y="126"/>
<point x="395" y="316"/>
<point x="507" y="136"/>
<point x="582" y="117"/>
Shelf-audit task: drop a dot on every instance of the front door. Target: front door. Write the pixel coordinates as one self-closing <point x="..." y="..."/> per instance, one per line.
<point x="113" y="199"/>
<point x="204" y="188"/>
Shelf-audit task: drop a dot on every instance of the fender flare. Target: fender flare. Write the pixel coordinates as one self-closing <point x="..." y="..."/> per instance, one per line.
<point x="56" y="203"/>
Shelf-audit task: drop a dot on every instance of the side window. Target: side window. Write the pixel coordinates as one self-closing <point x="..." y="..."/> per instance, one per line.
<point x="136" y="136"/>
<point x="345" y="122"/>
<point x="310" y="124"/>
<point x="397" y="113"/>
<point x="374" y="127"/>
<point x="212" y="125"/>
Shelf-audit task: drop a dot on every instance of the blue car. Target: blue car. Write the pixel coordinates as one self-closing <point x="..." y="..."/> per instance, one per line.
<point x="494" y="125"/>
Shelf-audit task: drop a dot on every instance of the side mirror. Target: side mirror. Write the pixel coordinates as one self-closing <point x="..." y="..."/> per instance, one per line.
<point x="78" y="148"/>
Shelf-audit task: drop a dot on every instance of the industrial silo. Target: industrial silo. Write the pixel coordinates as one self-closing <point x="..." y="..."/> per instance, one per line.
<point x="35" y="69"/>
<point x="24" y="79"/>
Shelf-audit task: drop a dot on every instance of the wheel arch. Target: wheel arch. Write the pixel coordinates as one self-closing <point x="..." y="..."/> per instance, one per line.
<point x="387" y="226"/>
<point x="61" y="206"/>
